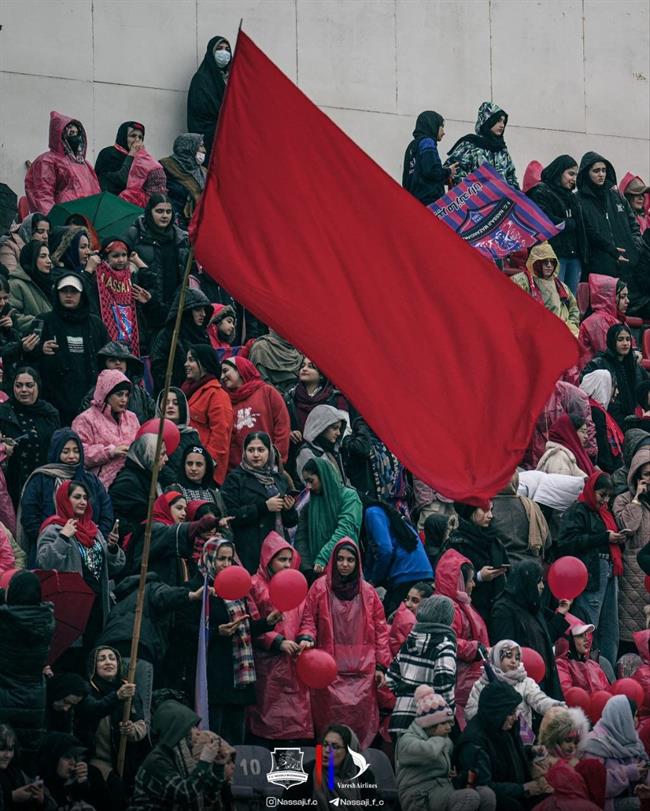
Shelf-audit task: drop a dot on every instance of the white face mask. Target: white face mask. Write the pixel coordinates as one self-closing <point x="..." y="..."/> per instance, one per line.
<point x="200" y="157"/>
<point x="222" y="58"/>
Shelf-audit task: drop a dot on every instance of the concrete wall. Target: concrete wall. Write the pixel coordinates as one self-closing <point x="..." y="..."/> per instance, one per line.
<point x="572" y="74"/>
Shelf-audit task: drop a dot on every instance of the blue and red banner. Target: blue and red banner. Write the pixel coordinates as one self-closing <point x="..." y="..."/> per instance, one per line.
<point x="492" y="216"/>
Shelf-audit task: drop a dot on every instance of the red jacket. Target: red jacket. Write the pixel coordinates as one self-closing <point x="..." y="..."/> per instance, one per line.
<point x="588" y="674"/>
<point x="283" y="709"/>
<point x="642" y="219"/>
<point x="400" y="628"/>
<point x="264" y="410"/>
<point x="642" y="673"/>
<point x="56" y="176"/>
<point x="593" y="330"/>
<point x="211" y="415"/>
<point x="355" y="633"/>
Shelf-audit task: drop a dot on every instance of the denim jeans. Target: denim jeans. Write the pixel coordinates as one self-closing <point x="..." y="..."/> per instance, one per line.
<point x="600" y="608"/>
<point x="570" y="272"/>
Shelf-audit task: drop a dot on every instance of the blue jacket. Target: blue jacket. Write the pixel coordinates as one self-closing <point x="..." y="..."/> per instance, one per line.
<point x="387" y="562"/>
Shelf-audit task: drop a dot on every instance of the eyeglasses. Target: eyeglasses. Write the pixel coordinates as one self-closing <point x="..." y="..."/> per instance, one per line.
<point x="334" y="746"/>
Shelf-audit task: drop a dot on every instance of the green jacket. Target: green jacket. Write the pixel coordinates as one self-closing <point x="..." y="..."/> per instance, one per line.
<point x="348" y="525"/>
<point x="28" y="299"/>
<point x="423" y="765"/>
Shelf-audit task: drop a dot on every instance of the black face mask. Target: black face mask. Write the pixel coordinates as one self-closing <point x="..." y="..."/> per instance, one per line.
<point x="74" y="142"/>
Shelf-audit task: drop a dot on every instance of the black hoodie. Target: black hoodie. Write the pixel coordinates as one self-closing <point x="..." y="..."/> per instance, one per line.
<point x="205" y="96"/>
<point x="609" y="222"/>
<point x="424" y="175"/>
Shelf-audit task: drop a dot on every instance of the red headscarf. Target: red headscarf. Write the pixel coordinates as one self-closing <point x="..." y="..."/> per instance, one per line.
<point x="251" y="378"/>
<point x="87" y="530"/>
<point x="588" y="497"/>
<point x="564" y="433"/>
<point x="161" y="508"/>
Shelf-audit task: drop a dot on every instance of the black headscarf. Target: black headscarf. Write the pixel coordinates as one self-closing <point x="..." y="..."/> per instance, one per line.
<point x="160" y="234"/>
<point x="206" y="482"/>
<point x="625" y="370"/>
<point x="104" y="686"/>
<point x="28" y="257"/>
<point x="24" y="589"/>
<point x="123" y="131"/>
<point x="552" y="174"/>
<point x="522" y="583"/>
<point x="427" y="125"/>
<point x="585" y="183"/>
<point x="345" y="588"/>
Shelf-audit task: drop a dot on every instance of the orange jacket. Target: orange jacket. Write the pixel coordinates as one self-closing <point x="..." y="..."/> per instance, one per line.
<point x="211" y="415"/>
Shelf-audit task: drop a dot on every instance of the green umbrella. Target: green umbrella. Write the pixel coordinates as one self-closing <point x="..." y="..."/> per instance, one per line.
<point x="110" y="216"/>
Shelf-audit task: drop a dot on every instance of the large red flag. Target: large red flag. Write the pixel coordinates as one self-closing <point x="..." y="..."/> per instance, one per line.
<point x="449" y="361"/>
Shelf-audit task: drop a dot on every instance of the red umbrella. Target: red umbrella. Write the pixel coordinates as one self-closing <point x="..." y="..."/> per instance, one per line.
<point x="72" y="600"/>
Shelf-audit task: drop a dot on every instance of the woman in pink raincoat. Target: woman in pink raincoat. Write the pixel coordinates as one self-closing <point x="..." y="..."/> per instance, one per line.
<point x="344" y="616"/>
<point x="283" y="710"/>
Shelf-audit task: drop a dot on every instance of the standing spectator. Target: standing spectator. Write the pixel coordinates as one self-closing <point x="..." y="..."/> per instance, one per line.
<point x="277" y="361"/>
<point x="177" y="411"/>
<point x="62" y="173"/>
<point x="565" y="450"/>
<point x="609" y="299"/>
<point x="209" y="406"/>
<point x="34" y="227"/>
<point x="31" y="285"/>
<point x="520" y="523"/>
<point x="114" y="162"/>
<point x="207" y="89"/>
<point x="609" y="437"/>
<point x="322" y="437"/>
<point x="343" y="616"/>
<point x="555" y="195"/>
<point x="257" y="406"/>
<point x="637" y="195"/>
<point x="185" y="175"/>
<point x="423" y="174"/>
<point x="311" y="390"/>
<point x="486" y="144"/>
<point x="613" y="235"/>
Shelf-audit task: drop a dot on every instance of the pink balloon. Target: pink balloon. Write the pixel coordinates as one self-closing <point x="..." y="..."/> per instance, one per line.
<point x="171" y="434"/>
<point x="577" y="697"/>
<point x="316" y="668"/>
<point x="533" y="664"/>
<point x="232" y="583"/>
<point x="567" y="578"/>
<point x="630" y="688"/>
<point x="287" y="589"/>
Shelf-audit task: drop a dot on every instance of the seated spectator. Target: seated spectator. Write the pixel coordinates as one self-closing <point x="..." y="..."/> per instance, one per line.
<point x="196" y="312"/>
<point x="26" y="630"/>
<point x="222" y="329"/>
<point x="403" y="619"/>
<point x="343" y="616"/>
<point x="562" y="732"/>
<point x="518" y="615"/>
<point x="486" y="144"/>
<point x="107" y="428"/>
<point x="541" y="281"/>
<point x="491" y="747"/>
<point x="565" y="452"/>
<point x="34" y="227"/>
<point x="70" y="341"/>
<point x="257" y="497"/>
<point x="62" y="173"/>
<point x="178" y="412"/>
<point x="146" y="177"/>
<point x="455" y="580"/>
<point x="633" y="440"/>
<point x="429" y="655"/>
<point x="423" y="174"/>
<point x="16" y="788"/>
<point x="588" y="531"/>
<point x="196" y="479"/>
<point x="608" y="301"/>
<point x="70" y="249"/>
<point x="613" y="236"/>
<point x="185" y="176"/>
<point x="322" y="437"/>
<point x="29" y="421"/>
<point x="436" y="530"/>
<point x="207" y="89"/>
<point x="63" y="767"/>
<point x="504" y="665"/>
<point x="277" y="361"/>
<point x="31" y="285"/>
<point x="114" y="162"/>
<point x="609" y="437"/>
<point x="209" y="406"/>
<point x="65" y="462"/>
<point x="333" y="512"/>
<point x="555" y="195"/>
<point x="423" y="760"/>
<point x="257" y="406"/>
<point x="637" y="195"/>
<point x="12" y="346"/>
<point x="395" y="556"/>
<point x="580" y="789"/>
<point x="575" y="666"/>
<point x="520" y="523"/>
<point x="70" y="541"/>
<point x="311" y="390"/>
<point x="477" y="540"/>
<point x="65" y="692"/>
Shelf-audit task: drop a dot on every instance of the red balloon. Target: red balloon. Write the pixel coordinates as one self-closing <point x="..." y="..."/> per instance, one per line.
<point x="232" y="583"/>
<point x="533" y="664"/>
<point x="567" y="578"/>
<point x="597" y="705"/>
<point x="316" y="668"/>
<point x="287" y="589"/>
<point x="171" y="434"/>
<point x="577" y="697"/>
<point x="646" y="582"/>
<point x="630" y="688"/>
<point x="6" y="576"/>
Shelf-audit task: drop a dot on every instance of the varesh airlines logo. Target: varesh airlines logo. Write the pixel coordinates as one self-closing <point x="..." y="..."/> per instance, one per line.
<point x="360" y="762"/>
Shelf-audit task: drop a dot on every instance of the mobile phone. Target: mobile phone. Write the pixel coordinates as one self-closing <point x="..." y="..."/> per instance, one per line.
<point x="503" y="566"/>
<point x="626" y="531"/>
<point x="37" y="327"/>
<point x="294" y="493"/>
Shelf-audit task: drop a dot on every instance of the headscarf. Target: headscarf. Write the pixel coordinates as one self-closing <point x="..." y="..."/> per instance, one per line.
<point x="162" y="513"/>
<point x="615" y="736"/>
<point x="184" y="153"/>
<point x="552" y="174"/>
<point x="24" y="589"/>
<point x="324" y="507"/>
<point x="142" y="451"/>
<point x="67" y="251"/>
<point x="428" y="125"/>
<point x="304" y="403"/>
<point x="498" y="653"/>
<point x="588" y="497"/>
<point x="598" y="385"/>
<point x="585" y="183"/>
<point x="28" y="257"/>
<point x="345" y="787"/>
<point x="251" y="379"/>
<point x="625" y="370"/>
<point x="274" y="352"/>
<point x="564" y="433"/>
<point x="86" y="532"/>
<point x="121" y="144"/>
<point x="522" y="583"/>
<point x="104" y="686"/>
<point x="264" y="475"/>
<point x="207" y="481"/>
<point x="346" y="588"/>
<point x="183" y="410"/>
<point x="161" y="234"/>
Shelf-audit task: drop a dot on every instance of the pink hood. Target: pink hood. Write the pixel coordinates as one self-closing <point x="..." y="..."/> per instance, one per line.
<point x="58" y="122"/>
<point x="602" y="293"/>
<point x="107" y="380"/>
<point x="532" y="175"/>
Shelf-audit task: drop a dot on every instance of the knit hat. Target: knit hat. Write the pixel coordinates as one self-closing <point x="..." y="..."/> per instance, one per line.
<point x="430" y="709"/>
<point x="437" y="608"/>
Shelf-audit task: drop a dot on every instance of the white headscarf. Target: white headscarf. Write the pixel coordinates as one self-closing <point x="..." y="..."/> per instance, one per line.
<point x="598" y="385"/>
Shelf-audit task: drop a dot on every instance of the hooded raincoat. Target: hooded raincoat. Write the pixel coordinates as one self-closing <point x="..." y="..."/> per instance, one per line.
<point x="355" y="633"/>
<point x="633" y="184"/>
<point x="593" y="330"/>
<point x="60" y="175"/>
<point x="283" y="709"/>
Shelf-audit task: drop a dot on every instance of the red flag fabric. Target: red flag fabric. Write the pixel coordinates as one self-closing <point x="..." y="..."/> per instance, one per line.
<point x="448" y="361"/>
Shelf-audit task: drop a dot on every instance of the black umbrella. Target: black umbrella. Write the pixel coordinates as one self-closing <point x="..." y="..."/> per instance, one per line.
<point x="8" y="207"/>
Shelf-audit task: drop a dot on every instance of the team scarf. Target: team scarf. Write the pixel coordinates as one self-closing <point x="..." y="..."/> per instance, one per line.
<point x="117" y="307"/>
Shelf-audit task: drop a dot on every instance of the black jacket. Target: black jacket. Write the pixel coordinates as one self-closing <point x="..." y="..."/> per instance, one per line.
<point x="584" y="535"/>
<point x="626" y="376"/>
<point x="609" y="222"/>
<point x="423" y="174"/>
<point x="205" y="96"/>
<point x="170" y="547"/>
<point x="561" y="205"/>
<point x="130" y="494"/>
<point x="245" y="499"/>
